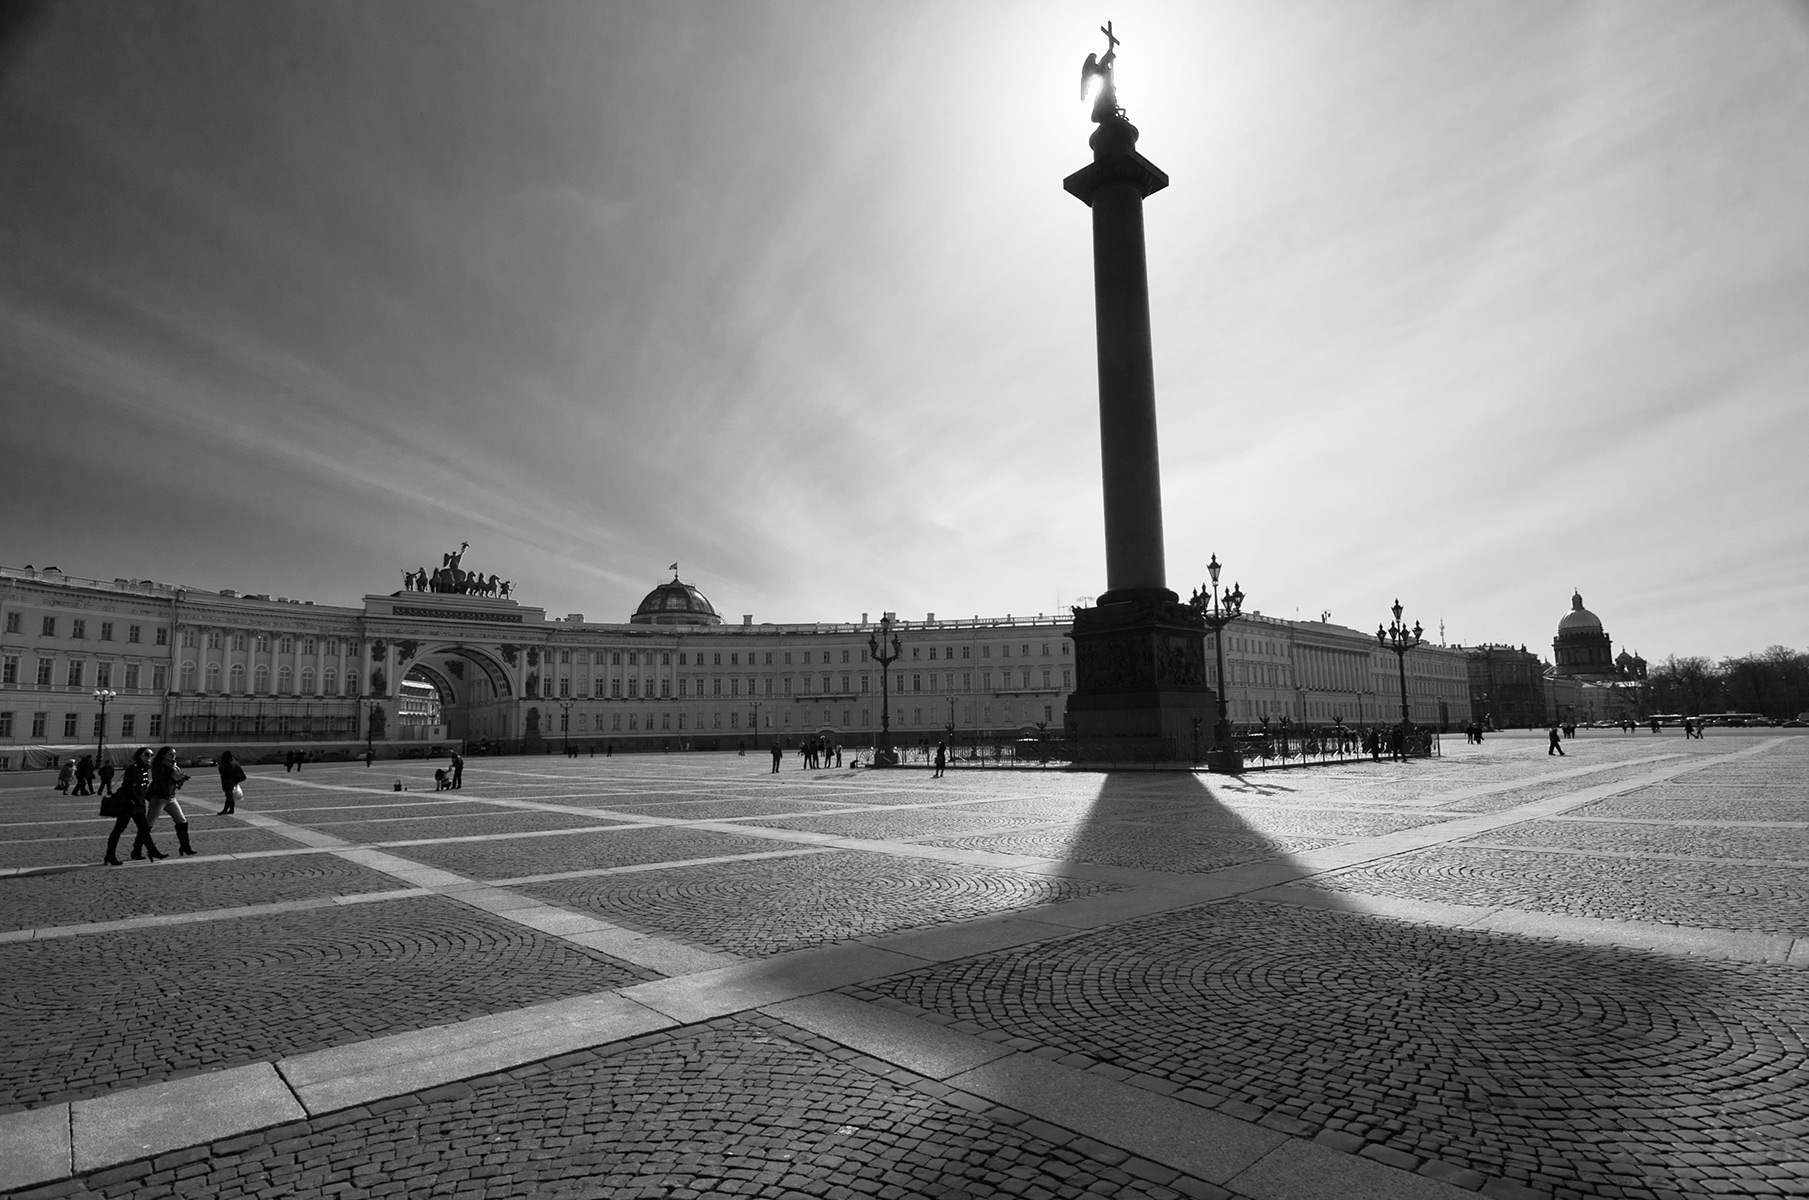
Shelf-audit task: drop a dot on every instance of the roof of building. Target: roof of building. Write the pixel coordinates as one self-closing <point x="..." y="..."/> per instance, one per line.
<point x="1579" y="619"/>
<point x="676" y="602"/>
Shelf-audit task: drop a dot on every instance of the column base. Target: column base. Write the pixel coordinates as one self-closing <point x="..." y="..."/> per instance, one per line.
<point x="1140" y="686"/>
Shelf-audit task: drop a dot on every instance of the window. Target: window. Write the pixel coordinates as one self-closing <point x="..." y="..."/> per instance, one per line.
<point x="565" y="657"/>
<point x="106" y="631"/>
<point x="866" y="681"/>
<point x="914" y="650"/>
<point x="565" y="686"/>
<point x="932" y="652"/>
<point x="734" y="660"/>
<point x="45" y="666"/>
<point x="1068" y="677"/>
<point x="351" y="683"/>
<point x="844" y="656"/>
<point x="787" y="658"/>
<point x="307" y="645"/>
<point x="1064" y="647"/>
<point x="332" y="646"/>
<point x="6" y="724"/>
<point x="162" y="639"/>
<point x="986" y="682"/>
<point x="49" y="628"/>
<point x="213" y="638"/>
<point x="77" y="668"/>
<point x="634" y="686"/>
<point x="665" y="689"/>
<point x="1024" y="651"/>
<point x="128" y="722"/>
<point x="967" y="684"/>
<point x="238" y="641"/>
<point x="985" y="651"/>
<point x="307" y="681"/>
<point x="615" y="658"/>
<point x="12" y="622"/>
<point x="237" y="678"/>
<point x="103" y="675"/>
<point x="100" y="727"/>
<point x="286" y="644"/>
<point x="615" y="689"/>
<point x="37" y="724"/>
<point x="716" y="660"/>
<point x="1045" y="677"/>
<point x="788" y="685"/>
<point x="769" y="658"/>
<point x="154" y="728"/>
<point x="683" y="685"/>
<point x="597" y="691"/>
<point x="845" y="683"/>
<point x="807" y="658"/>
<point x="213" y="676"/>
<point x="329" y="682"/>
<point x="261" y="679"/>
<point x="684" y="660"/>
<point x="769" y="685"/>
<point x="965" y="652"/>
<point x="69" y="720"/>
<point x="916" y="683"/>
<point x="263" y="643"/>
<point x="716" y="685"/>
<point x="1045" y="649"/>
<point x="285" y="682"/>
<point x="9" y="669"/>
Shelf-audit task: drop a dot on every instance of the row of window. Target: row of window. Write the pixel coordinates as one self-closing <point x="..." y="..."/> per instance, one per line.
<point x="676" y="722"/>
<point x="78" y="629"/>
<point x="634" y="657"/>
<point x="128" y="725"/>
<point x="916" y="682"/>
<point x="261" y="642"/>
<point x="76" y="675"/>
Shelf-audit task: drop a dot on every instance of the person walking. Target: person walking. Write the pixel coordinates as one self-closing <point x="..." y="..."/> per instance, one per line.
<point x="65" y="774"/>
<point x="232" y="779"/>
<point x="777" y="755"/>
<point x="370" y="756"/>
<point x="84" y="776"/>
<point x="1557" y="745"/>
<point x="127" y="806"/>
<point x="458" y="769"/>
<point x="106" y="777"/>
<point x="166" y="780"/>
<point x="941" y="759"/>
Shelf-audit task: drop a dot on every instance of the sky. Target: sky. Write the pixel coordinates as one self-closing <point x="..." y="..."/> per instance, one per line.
<point x="1464" y="304"/>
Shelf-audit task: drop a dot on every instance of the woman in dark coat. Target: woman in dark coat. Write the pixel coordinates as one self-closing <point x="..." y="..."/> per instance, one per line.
<point x="166" y="778"/>
<point x="231" y="776"/>
<point x="126" y="806"/>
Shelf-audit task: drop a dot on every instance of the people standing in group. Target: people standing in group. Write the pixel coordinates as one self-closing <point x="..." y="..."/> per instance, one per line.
<point x="106" y="777"/>
<point x="84" y="776"/>
<point x="458" y="769"/>
<point x="127" y="806"/>
<point x="166" y="780"/>
<point x="1556" y="746"/>
<point x="232" y="780"/>
<point x="65" y="775"/>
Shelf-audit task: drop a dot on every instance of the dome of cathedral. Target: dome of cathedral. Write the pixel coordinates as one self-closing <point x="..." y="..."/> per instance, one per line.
<point x="1579" y="619"/>
<point x="676" y="602"/>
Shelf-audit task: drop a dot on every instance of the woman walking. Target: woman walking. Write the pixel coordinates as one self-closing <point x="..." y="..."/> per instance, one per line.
<point x="126" y="806"/>
<point x="166" y="778"/>
<point x="231" y="776"/>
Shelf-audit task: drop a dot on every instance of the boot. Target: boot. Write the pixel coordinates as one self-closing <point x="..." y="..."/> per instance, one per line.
<point x="182" y="839"/>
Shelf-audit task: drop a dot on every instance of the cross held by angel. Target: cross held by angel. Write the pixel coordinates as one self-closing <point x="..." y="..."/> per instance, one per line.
<point x="1105" y="103"/>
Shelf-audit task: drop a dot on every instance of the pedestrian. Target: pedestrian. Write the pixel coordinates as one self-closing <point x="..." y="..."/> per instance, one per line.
<point x="777" y="755"/>
<point x="609" y="749"/>
<point x="232" y="779"/>
<point x="65" y="774"/>
<point x="458" y="769"/>
<point x="369" y="756"/>
<point x="301" y="756"/>
<point x="84" y="776"/>
<point x="1397" y="743"/>
<point x="1556" y="746"/>
<point x="941" y="759"/>
<point x="440" y="782"/>
<point x="127" y="806"/>
<point x="166" y="780"/>
<point x="106" y="777"/>
<point x="838" y="755"/>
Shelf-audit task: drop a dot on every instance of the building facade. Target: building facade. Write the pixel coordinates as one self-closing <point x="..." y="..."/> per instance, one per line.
<point x="215" y="669"/>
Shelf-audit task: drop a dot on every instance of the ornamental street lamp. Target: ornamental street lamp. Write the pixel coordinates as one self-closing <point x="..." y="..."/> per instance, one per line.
<point x="1400" y="639"/>
<point x="755" y="719"/>
<point x="100" y="748"/>
<point x="1217" y="613"/>
<point x="565" y="724"/>
<point x="883" y="754"/>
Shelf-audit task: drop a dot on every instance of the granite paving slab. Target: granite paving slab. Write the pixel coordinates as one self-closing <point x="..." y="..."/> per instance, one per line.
<point x="582" y="851"/>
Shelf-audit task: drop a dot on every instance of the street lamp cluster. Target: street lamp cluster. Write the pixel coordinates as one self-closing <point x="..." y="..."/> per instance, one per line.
<point x="1217" y="612"/>
<point x="1400" y="639"/>
<point x="877" y="641"/>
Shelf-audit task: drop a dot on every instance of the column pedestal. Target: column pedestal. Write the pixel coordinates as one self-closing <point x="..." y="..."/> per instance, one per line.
<point x="1140" y="669"/>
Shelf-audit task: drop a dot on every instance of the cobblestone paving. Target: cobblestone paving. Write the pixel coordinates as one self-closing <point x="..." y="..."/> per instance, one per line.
<point x="512" y="858"/>
<point x="1695" y="841"/>
<point x="491" y="823"/>
<point x="713" y="810"/>
<point x="771" y="906"/>
<point x="224" y="836"/>
<point x="1146" y="847"/>
<point x="170" y="1001"/>
<point x="744" y="1108"/>
<point x="1711" y="895"/>
<point x="1574" y="1069"/>
<point x="309" y="814"/>
<point x="1699" y="804"/>
<point x="897" y="824"/>
<point x="185" y="885"/>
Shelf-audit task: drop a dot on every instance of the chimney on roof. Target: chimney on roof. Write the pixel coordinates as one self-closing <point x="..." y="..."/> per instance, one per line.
<point x="747" y="619"/>
<point x="929" y="617"/>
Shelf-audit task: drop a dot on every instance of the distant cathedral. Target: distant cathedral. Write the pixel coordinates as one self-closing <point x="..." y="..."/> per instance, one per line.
<point x="1582" y="649"/>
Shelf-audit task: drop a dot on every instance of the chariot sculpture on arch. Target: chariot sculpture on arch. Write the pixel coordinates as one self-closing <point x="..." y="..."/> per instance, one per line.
<point x="450" y="578"/>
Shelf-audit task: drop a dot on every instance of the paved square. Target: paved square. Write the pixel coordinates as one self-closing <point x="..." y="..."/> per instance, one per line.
<point x="682" y="975"/>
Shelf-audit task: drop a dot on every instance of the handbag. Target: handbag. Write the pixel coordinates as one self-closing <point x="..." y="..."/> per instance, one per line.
<point x="238" y="793"/>
<point x="115" y="804"/>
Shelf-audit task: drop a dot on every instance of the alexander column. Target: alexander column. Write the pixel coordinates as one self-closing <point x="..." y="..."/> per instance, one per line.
<point x="1140" y="655"/>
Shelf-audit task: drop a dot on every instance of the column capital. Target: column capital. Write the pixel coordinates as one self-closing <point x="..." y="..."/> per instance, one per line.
<point x="1130" y="168"/>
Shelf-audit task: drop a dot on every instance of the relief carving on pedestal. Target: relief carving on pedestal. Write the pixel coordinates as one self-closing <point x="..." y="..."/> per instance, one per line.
<point x="1182" y="660"/>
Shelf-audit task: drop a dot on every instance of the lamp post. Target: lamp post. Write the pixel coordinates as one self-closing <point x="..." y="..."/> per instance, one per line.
<point x="565" y="724"/>
<point x="1218" y="612"/>
<point x="1400" y="639"/>
<point x="100" y="747"/>
<point x="883" y="754"/>
<point x="755" y="718"/>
